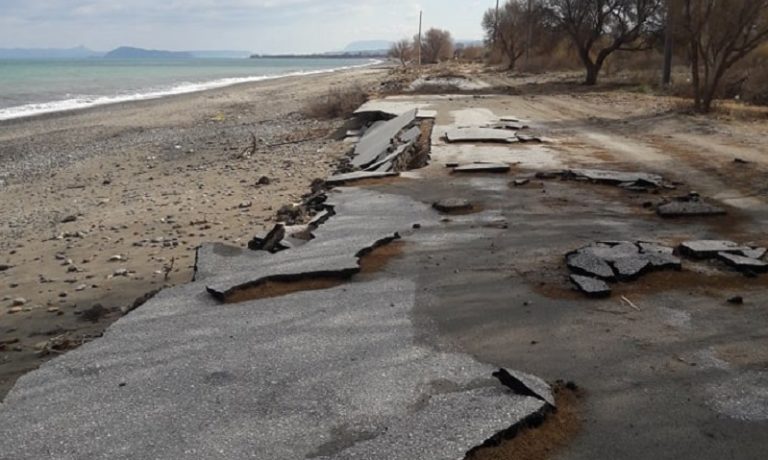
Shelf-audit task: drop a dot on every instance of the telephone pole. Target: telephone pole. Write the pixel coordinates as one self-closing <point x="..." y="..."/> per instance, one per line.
<point x="421" y="16"/>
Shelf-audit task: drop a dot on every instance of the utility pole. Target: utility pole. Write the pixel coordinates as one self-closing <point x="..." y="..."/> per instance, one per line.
<point x="668" y="46"/>
<point x="421" y="15"/>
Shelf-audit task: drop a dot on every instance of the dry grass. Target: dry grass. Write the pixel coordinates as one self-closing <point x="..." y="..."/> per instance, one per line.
<point x="543" y="441"/>
<point x="337" y="103"/>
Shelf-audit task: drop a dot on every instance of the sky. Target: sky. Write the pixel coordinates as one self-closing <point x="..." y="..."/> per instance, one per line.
<point x="259" y="26"/>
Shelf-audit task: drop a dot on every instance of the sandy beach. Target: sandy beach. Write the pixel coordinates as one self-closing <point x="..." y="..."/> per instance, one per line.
<point x="101" y="207"/>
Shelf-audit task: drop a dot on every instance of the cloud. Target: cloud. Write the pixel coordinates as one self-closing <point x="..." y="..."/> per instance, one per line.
<point x="258" y="25"/>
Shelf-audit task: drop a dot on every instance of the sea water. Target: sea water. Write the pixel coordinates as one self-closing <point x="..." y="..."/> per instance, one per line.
<point x="32" y="87"/>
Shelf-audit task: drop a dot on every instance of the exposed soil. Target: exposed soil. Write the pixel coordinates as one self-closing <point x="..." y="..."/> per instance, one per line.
<point x="542" y="441"/>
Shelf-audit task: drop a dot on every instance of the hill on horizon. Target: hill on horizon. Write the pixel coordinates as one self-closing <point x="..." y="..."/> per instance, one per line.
<point x="79" y="52"/>
<point x="367" y="45"/>
<point x="128" y="52"/>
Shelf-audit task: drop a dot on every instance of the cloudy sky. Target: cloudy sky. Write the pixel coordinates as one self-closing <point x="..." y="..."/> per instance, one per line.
<point x="252" y="25"/>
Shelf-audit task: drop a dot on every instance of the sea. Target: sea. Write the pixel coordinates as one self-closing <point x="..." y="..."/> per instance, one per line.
<point x="33" y="87"/>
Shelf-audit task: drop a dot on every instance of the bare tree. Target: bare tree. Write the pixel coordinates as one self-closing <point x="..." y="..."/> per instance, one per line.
<point x="720" y="34"/>
<point x="402" y="51"/>
<point x="513" y="29"/>
<point x="436" y="46"/>
<point x="599" y="28"/>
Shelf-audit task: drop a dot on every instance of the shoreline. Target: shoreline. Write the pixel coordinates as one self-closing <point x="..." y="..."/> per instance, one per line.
<point x="101" y="203"/>
<point x="194" y="88"/>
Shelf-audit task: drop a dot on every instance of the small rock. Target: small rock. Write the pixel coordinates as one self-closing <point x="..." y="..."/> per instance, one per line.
<point x="116" y="258"/>
<point x="520" y="182"/>
<point x="453" y="205"/>
<point x="121" y="272"/>
<point x="15" y="310"/>
<point x="4" y="267"/>
<point x="245" y="204"/>
<point x="68" y="219"/>
<point x="81" y="288"/>
<point x="53" y="309"/>
<point x="18" y="302"/>
<point x="738" y="300"/>
<point x="264" y="180"/>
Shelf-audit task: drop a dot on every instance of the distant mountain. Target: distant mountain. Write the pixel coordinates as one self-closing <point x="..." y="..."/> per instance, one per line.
<point x="368" y="45"/>
<point x="127" y="52"/>
<point x="79" y="52"/>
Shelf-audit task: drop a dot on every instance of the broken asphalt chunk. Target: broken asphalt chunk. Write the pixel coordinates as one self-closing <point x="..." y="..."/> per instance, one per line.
<point x="526" y="385"/>
<point x="481" y="135"/>
<point x="691" y="208"/>
<point x="617" y="177"/>
<point x="483" y="168"/>
<point x="626" y="261"/>
<point x="377" y="141"/>
<point x="631" y="268"/>
<point x="592" y="287"/>
<point x="271" y="242"/>
<point x="341" y="179"/>
<point x="587" y="264"/>
<point x="705" y="249"/>
<point x="743" y="264"/>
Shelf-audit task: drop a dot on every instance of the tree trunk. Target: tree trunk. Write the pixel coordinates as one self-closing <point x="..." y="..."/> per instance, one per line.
<point x="695" y="78"/>
<point x="592" y="67"/>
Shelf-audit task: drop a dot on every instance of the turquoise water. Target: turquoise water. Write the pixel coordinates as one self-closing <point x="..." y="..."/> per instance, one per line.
<point x="30" y="87"/>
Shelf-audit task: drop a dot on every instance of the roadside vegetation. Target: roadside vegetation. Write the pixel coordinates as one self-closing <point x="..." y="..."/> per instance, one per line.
<point x="723" y="46"/>
<point x="338" y="102"/>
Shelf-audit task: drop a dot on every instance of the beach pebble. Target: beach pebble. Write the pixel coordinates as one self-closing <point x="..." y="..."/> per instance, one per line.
<point x="15" y="310"/>
<point x="121" y="272"/>
<point x="53" y="309"/>
<point x="116" y="258"/>
<point x="82" y="287"/>
<point x="19" y="301"/>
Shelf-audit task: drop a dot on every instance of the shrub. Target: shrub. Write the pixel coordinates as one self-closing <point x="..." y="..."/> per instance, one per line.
<point x="337" y="103"/>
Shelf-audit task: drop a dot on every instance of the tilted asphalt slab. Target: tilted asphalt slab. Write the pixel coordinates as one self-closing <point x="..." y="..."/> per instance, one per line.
<point x="363" y="220"/>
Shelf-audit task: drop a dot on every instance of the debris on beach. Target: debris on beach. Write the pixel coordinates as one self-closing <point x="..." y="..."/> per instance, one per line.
<point x="690" y="205"/>
<point x="482" y="168"/>
<point x="594" y="266"/>
<point x="453" y="205"/>
<point x="743" y="258"/>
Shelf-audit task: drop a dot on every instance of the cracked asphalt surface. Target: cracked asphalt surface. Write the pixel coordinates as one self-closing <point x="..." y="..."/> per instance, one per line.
<point x="682" y="375"/>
